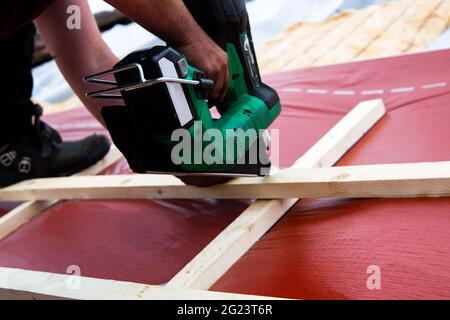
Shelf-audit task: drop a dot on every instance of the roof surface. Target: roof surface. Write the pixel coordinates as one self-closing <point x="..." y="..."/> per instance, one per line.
<point x="321" y="249"/>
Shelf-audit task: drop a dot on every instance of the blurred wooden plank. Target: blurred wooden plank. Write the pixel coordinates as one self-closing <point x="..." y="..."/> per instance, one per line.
<point x="20" y="284"/>
<point x="381" y="18"/>
<point x="436" y="25"/>
<point x="376" y="31"/>
<point x="400" y="36"/>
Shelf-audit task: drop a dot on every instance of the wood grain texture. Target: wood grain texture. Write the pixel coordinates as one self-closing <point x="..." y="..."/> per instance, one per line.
<point x="27" y="211"/>
<point x="20" y="284"/>
<point x="229" y="246"/>
<point x="371" y="181"/>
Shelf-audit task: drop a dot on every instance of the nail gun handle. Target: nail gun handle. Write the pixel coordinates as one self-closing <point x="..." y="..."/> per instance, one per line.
<point x="227" y="23"/>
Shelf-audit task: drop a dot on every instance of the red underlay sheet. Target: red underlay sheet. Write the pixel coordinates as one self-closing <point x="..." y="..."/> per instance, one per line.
<point x="321" y="249"/>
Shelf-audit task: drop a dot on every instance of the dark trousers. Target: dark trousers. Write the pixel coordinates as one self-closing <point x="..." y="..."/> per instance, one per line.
<point x="16" y="85"/>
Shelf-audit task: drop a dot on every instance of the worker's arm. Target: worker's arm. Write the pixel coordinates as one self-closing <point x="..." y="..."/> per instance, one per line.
<point x="78" y="52"/>
<point x="172" y="22"/>
<point x="83" y="52"/>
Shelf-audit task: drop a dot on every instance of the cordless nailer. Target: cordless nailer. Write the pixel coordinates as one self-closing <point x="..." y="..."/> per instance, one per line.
<point x="166" y="100"/>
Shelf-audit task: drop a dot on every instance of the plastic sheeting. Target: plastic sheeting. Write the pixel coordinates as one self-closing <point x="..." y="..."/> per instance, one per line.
<point x="321" y="249"/>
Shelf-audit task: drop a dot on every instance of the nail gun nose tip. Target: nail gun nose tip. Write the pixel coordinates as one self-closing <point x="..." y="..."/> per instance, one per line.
<point x="203" y="181"/>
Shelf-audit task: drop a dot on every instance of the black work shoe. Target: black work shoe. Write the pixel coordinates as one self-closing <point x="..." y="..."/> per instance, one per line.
<point x="43" y="154"/>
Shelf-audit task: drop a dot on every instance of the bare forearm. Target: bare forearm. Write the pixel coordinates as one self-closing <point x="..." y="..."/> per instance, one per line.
<point x="82" y="52"/>
<point x="168" y="19"/>
<point x="78" y="52"/>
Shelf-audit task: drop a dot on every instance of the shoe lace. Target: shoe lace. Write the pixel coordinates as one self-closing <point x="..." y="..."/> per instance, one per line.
<point x="46" y="136"/>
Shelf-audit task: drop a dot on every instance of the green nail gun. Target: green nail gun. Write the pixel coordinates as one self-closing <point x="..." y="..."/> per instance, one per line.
<point x="166" y="124"/>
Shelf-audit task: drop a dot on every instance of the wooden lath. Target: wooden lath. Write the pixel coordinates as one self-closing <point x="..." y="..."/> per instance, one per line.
<point x="31" y="285"/>
<point x="372" y="181"/>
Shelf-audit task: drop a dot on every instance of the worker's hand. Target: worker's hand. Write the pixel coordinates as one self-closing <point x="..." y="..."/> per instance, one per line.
<point x="171" y="21"/>
<point x="208" y="57"/>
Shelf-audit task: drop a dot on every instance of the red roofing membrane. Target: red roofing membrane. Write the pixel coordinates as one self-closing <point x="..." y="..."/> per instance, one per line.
<point x="321" y="249"/>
